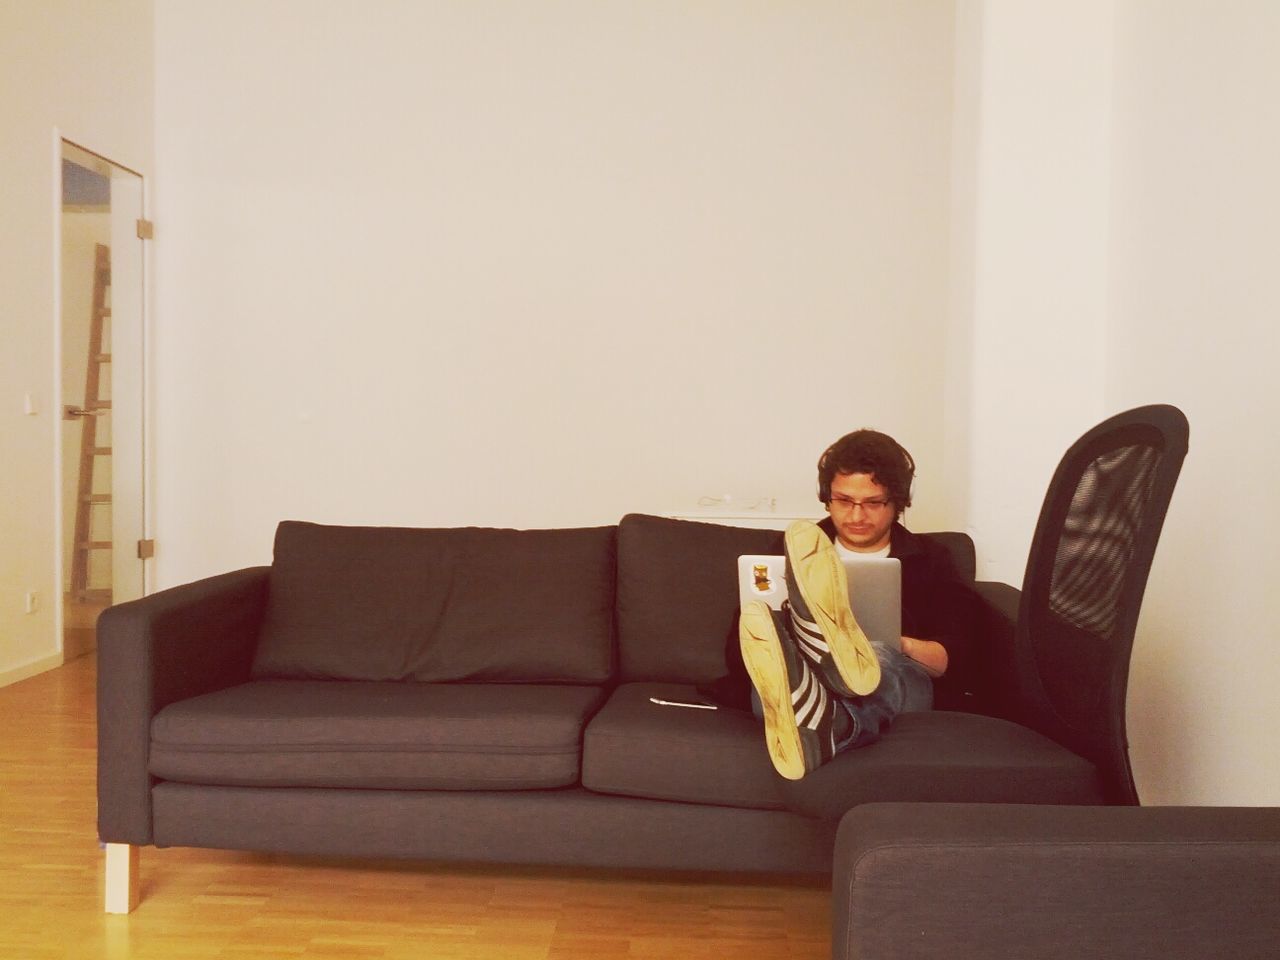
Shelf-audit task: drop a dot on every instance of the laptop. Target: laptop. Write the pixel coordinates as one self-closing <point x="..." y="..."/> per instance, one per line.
<point x="875" y="591"/>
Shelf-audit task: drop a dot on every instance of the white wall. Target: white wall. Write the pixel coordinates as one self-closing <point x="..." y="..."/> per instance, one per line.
<point x="1116" y="243"/>
<point x="539" y="264"/>
<point x="84" y="68"/>
<point x="1195" y="309"/>
<point x="1030" y="248"/>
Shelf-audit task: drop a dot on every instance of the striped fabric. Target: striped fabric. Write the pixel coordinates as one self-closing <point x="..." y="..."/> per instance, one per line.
<point x="1102" y="526"/>
<point x="811" y="705"/>
<point x="807" y="634"/>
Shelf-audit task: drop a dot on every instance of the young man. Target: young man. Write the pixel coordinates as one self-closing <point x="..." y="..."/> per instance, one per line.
<point x="823" y="686"/>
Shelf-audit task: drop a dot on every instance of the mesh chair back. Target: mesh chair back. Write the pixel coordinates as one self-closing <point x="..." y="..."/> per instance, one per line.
<point x="1085" y="578"/>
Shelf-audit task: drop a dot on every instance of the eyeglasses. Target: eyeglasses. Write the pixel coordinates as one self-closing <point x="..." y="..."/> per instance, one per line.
<point x="871" y="506"/>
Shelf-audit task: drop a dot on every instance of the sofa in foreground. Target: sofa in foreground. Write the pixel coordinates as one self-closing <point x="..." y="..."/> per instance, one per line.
<point x="486" y="695"/>
<point x="987" y="882"/>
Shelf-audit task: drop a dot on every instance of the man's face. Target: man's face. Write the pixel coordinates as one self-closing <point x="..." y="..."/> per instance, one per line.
<point x="861" y="510"/>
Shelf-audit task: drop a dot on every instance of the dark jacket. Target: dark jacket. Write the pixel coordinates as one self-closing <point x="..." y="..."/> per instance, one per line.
<point x="936" y="605"/>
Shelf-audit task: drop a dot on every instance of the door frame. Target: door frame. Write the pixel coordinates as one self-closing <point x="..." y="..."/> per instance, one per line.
<point x="146" y="377"/>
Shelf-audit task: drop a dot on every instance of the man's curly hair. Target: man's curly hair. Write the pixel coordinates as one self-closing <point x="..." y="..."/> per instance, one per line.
<point x="874" y="453"/>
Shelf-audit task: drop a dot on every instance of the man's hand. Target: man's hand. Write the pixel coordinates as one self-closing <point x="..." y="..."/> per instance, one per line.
<point x="928" y="653"/>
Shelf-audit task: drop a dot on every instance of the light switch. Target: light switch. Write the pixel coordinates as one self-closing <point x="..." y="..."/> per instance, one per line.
<point x="28" y="405"/>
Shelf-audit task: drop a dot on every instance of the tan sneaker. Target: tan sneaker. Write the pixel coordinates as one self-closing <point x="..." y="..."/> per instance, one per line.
<point x="799" y="713"/>
<point x="822" y="623"/>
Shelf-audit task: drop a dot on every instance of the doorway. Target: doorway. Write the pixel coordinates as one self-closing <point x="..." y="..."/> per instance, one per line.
<point x="101" y="372"/>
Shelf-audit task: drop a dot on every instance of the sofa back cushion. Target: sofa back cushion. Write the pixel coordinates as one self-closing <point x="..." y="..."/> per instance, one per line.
<point x="678" y="595"/>
<point x="386" y="603"/>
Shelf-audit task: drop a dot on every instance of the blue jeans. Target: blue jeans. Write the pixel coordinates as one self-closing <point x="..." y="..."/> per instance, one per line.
<point x="904" y="687"/>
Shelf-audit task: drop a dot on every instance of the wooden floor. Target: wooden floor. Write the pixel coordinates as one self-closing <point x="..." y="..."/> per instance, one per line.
<point x="203" y="903"/>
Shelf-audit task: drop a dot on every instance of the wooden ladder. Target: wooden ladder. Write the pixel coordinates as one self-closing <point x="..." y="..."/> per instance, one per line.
<point x="90" y="452"/>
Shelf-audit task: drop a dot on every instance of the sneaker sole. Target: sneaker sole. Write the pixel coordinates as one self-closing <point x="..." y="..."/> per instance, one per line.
<point x="763" y="657"/>
<point x="824" y="587"/>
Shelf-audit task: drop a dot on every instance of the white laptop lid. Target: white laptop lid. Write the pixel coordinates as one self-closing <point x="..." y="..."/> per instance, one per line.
<point x="875" y="591"/>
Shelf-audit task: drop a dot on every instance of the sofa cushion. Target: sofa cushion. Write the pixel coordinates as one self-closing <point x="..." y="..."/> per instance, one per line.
<point x="637" y="748"/>
<point x="295" y="733"/>
<point x="385" y="603"/>
<point x="941" y="756"/>
<point x="678" y="595"/>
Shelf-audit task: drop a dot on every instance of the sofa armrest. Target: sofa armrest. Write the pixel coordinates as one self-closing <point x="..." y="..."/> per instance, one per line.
<point x="155" y="651"/>
<point x="967" y="881"/>
<point x="995" y="679"/>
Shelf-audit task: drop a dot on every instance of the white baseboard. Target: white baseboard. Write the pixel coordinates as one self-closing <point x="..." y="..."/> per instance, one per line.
<point x="28" y="670"/>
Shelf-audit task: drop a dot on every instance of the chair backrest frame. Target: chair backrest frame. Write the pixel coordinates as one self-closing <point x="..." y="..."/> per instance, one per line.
<point x="1102" y="513"/>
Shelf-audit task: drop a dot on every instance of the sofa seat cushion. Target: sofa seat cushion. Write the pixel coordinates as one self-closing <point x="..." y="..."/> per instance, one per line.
<point x="295" y="733"/>
<point x="637" y="748"/>
<point x="949" y="757"/>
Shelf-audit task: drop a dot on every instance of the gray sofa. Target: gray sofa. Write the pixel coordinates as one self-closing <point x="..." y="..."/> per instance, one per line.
<point x="988" y="882"/>
<point x="484" y="695"/>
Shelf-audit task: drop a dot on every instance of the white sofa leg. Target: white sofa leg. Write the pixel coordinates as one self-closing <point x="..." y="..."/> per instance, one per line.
<point x="122" y="877"/>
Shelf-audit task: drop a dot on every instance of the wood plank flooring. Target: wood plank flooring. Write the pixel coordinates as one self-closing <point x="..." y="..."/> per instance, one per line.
<point x="214" y="904"/>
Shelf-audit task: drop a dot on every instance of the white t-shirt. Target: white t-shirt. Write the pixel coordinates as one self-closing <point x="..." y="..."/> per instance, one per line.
<point x="847" y="554"/>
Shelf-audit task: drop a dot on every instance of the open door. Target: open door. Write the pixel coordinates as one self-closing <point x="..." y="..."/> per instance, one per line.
<point x="102" y="370"/>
